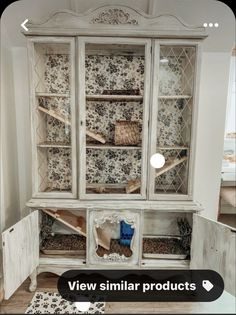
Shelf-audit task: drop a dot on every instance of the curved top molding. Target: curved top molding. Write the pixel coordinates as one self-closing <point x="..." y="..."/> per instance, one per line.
<point x="111" y="20"/>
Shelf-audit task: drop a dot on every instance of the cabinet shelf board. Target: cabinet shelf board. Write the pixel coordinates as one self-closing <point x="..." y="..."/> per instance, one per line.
<point x="48" y="144"/>
<point x="165" y="263"/>
<point x="174" y="96"/>
<point x="55" y="115"/>
<point x="173" y="147"/>
<point x="112" y="147"/>
<point x="131" y="98"/>
<point x="44" y="94"/>
<point x="169" y="165"/>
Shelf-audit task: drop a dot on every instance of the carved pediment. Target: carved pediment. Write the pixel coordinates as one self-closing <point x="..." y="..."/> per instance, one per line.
<point x="114" y="16"/>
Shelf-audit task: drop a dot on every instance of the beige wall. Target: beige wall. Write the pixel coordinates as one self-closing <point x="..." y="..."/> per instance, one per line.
<point x="10" y="211"/>
<point x="213" y="93"/>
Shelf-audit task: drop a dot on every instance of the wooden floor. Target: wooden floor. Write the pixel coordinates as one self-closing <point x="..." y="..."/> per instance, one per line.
<point x="228" y="219"/>
<point x="18" y="303"/>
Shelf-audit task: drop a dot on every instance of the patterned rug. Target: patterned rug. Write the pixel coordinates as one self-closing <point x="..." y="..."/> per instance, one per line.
<point x="53" y="303"/>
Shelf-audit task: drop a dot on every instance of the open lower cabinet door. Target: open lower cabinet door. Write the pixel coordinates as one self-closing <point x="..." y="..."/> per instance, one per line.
<point x="20" y="252"/>
<point x="213" y="247"/>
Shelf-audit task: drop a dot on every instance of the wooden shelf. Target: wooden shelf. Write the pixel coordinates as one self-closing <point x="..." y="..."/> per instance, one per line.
<point x="48" y="144"/>
<point x="169" y="165"/>
<point x="174" y="96"/>
<point x="42" y="94"/>
<point x="112" y="147"/>
<point x="173" y="148"/>
<point x="55" y="115"/>
<point x="128" y="98"/>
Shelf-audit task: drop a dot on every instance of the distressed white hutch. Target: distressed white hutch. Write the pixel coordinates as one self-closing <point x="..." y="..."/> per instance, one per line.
<point x="89" y="75"/>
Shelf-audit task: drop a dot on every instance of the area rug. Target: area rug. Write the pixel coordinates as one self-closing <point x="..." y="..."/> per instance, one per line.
<point x="53" y="303"/>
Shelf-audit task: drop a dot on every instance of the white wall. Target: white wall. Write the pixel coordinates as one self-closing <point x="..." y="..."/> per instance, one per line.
<point x="10" y="211"/>
<point x="213" y="92"/>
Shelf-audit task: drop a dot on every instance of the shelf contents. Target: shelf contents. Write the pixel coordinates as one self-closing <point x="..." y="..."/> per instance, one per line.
<point x="127" y="133"/>
<point x="126" y="233"/>
<point x="163" y="247"/>
<point x="115" y="248"/>
<point x="63" y="244"/>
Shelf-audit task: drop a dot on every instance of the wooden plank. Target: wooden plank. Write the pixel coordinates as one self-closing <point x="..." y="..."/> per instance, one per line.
<point x="42" y="94"/>
<point x="133" y="185"/>
<point x="174" y="96"/>
<point x="95" y="136"/>
<point x="103" y="238"/>
<point x="20" y="246"/>
<point x="63" y="252"/>
<point x="54" y="114"/>
<point x="111" y="147"/>
<point x="48" y="144"/>
<point x="169" y="165"/>
<point x="213" y="247"/>
<point x="128" y="98"/>
<point x="165" y="263"/>
<point x="74" y="222"/>
<point x="173" y="148"/>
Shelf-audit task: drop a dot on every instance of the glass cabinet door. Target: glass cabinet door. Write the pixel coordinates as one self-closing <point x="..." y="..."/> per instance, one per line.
<point x="114" y="96"/>
<point x="172" y="111"/>
<point x="52" y="94"/>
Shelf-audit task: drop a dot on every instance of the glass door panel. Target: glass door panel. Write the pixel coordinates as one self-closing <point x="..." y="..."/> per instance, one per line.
<point x="114" y="113"/>
<point x="54" y="124"/>
<point x="176" y="73"/>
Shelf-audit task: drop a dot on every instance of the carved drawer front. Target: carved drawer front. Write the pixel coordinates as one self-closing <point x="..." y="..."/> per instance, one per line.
<point x="114" y="237"/>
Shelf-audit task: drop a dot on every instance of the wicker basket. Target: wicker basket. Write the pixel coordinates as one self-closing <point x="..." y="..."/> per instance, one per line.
<point x="127" y="132"/>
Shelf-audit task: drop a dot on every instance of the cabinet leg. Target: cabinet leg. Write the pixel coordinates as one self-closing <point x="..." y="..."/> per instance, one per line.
<point x="33" y="281"/>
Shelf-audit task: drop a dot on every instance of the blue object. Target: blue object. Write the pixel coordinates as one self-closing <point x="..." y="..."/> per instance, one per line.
<point x="126" y="233"/>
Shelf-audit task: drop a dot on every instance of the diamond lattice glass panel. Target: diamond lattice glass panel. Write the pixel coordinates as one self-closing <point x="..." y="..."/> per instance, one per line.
<point x="52" y="67"/>
<point x="175" y="100"/>
<point x="114" y="84"/>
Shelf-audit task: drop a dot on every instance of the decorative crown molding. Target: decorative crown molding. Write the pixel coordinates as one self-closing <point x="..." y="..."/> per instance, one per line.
<point x="114" y="16"/>
<point x="110" y="20"/>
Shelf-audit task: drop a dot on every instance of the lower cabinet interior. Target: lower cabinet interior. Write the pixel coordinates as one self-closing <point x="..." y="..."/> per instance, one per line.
<point x="166" y="238"/>
<point x="163" y="240"/>
<point x="63" y="234"/>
